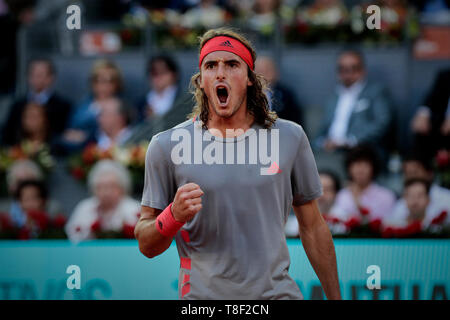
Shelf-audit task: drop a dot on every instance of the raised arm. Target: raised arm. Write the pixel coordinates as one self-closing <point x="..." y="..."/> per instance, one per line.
<point x="186" y="204"/>
<point x="318" y="244"/>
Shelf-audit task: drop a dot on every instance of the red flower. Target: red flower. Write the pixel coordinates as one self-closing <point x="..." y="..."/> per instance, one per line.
<point x="95" y="227"/>
<point x="413" y="228"/>
<point x="5" y="221"/>
<point x="440" y="218"/>
<point x="128" y="231"/>
<point x="40" y="218"/>
<point x="89" y="154"/>
<point x="352" y="223"/>
<point x="331" y="219"/>
<point x="389" y="232"/>
<point x="364" y="211"/>
<point x="443" y="158"/>
<point x="375" y="225"/>
<point x="59" y="221"/>
<point x="24" y="234"/>
<point x="78" y="173"/>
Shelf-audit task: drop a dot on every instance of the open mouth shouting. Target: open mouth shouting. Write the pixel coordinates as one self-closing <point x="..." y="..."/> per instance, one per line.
<point x="223" y="94"/>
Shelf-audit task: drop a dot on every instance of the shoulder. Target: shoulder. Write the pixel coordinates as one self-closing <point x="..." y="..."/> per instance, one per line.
<point x="289" y="128"/>
<point x="162" y="141"/>
<point x="85" y="207"/>
<point x="383" y="192"/>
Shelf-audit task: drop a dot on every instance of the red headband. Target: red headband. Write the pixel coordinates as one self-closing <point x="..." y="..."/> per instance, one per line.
<point x="224" y="43"/>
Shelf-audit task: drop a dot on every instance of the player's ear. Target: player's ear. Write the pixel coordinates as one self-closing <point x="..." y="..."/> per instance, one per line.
<point x="199" y="81"/>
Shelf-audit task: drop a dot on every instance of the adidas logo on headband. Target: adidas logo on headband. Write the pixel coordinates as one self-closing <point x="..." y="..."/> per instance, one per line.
<point x="226" y="44"/>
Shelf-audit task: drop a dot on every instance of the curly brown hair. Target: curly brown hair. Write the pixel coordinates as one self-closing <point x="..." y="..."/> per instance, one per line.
<point x="257" y="103"/>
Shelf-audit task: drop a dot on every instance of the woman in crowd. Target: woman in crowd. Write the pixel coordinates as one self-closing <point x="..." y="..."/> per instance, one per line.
<point x="362" y="197"/>
<point x="106" y="83"/>
<point x="109" y="209"/>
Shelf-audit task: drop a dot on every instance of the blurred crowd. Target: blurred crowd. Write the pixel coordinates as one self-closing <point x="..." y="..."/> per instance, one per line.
<point x="103" y="138"/>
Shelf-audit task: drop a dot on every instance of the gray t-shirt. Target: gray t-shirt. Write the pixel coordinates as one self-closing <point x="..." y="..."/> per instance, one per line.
<point x="235" y="247"/>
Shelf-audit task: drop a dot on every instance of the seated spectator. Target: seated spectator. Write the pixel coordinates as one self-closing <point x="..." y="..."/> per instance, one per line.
<point x="330" y="185"/>
<point x="282" y="100"/>
<point x="109" y="209"/>
<point x="363" y="197"/>
<point x="114" y="120"/>
<point x="34" y="127"/>
<point x="106" y="83"/>
<point x="359" y="112"/>
<point x="20" y="171"/>
<point x="166" y="104"/>
<point x="431" y="123"/>
<point x="419" y="208"/>
<point x="41" y="79"/>
<point x="31" y="195"/>
<point x="418" y="167"/>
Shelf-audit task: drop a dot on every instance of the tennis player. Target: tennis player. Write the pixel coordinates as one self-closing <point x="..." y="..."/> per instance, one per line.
<point x="211" y="184"/>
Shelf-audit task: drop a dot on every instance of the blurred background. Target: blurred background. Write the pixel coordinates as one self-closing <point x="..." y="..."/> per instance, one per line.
<point x="78" y="107"/>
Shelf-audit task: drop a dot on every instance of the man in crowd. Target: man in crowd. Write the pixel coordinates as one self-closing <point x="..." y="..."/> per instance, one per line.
<point x="281" y="99"/>
<point x="359" y="112"/>
<point x="166" y="104"/>
<point x="41" y="80"/>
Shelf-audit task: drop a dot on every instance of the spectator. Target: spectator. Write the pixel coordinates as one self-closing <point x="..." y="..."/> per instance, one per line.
<point x="23" y="170"/>
<point x="330" y="186"/>
<point x="431" y="123"/>
<point x="281" y="99"/>
<point x="106" y="83"/>
<point x="34" y="127"/>
<point x="31" y="195"/>
<point x="114" y="120"/>
<point x="417" y="167"/>
<point x="418" y="206"/>
<point x="109" y="209"/>
<point x="359" y="112"/>
<point x="166" y="104"/>
<point x="363" y="196"/>
<point x="41" y="79"/>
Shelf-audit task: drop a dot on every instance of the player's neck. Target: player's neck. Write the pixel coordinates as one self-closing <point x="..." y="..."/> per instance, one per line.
<point x="235" y="125"/>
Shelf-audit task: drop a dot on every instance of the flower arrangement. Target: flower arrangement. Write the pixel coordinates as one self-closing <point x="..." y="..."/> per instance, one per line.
<point x="38" y="226"/>
<point x="132" y="157"/>
<point x="442" y="165"/>
<point x="337" y="24"/>
<point x="363" y="227"/>
<point x="40" y="154"/>
<point x="127" y="231"/>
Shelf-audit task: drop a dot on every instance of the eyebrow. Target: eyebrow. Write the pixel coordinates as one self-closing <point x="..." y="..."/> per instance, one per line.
<point x="226" y="61"/>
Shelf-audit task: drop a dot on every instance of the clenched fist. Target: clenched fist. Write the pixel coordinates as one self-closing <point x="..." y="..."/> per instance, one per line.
<point x="187" y="202"/>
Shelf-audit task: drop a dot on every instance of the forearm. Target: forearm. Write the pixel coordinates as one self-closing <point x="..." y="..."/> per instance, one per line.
<point x="151" y="242"/>
<point x="319" y="248"/>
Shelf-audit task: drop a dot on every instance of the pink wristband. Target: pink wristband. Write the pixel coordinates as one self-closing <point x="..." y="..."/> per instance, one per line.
<point x="166" y="223"/>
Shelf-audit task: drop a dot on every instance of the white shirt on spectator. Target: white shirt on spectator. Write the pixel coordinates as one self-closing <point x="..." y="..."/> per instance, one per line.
<point x="439" y="201"/>
<point x="104" y="142"/>
<point x="377" y="199"/>
<point x="400" y="214"/>
<point x="78" y="228"/>
<point x="162" y="102"/>
<point x="346" y="102"/>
